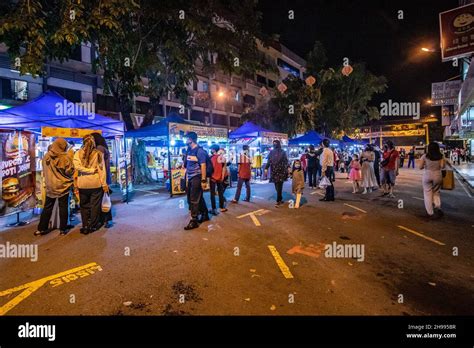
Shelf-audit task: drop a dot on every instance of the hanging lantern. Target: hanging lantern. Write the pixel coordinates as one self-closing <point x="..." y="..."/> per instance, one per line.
<point x="282" y="87"/>
<point x="263" y="91"/>
<point x="347" y="70"/>
<point x="310" y="80"/>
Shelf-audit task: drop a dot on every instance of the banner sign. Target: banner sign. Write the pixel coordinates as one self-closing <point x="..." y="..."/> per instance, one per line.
<point x="445" y="93"/>
<point x="177" y="178"/>
<point x="177" y="131"/>
<point x="18" y="173"/>
<point x="269" y="137"/>
<point x="67" y="132"/>
<point x="403" y="133"/>
<point x="457" y="32"/>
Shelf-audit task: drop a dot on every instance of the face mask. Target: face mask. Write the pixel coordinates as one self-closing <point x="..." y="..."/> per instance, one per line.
<point x="297" y="166"/>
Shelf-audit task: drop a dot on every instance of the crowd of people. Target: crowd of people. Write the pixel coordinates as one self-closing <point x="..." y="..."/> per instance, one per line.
<point x="86" y="174"/>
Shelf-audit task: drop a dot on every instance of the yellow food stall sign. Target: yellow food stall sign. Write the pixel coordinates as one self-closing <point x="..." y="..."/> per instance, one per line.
<point x="67" y="132"/>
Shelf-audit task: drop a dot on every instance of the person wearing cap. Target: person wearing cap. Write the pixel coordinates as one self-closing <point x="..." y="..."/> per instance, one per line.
<point x="195" y="164"/>
<point x="217" y="179"/>
<point x="58" y="170"/>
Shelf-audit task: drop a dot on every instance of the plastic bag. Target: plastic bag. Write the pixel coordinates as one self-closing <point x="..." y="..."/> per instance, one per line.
<point x="106" y="203"/>
<point x="324" y="182"/>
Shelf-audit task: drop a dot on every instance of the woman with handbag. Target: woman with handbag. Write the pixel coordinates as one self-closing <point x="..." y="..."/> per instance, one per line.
<point x="432" y="163"/>
<point x="91" y="182"/>
<point x="101" y="145"/>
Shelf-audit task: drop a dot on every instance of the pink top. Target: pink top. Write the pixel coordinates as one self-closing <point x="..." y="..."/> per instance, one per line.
<point x="355" y="165"/>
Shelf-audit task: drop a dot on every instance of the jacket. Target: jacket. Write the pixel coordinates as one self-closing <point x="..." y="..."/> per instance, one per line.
<point x="58" y="170"/>
<point x="91" y="177"/>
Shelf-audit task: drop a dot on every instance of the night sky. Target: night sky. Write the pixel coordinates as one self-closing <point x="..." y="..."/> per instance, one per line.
<point x="369" y="31"/>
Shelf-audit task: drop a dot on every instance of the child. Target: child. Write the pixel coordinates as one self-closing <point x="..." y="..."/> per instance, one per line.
<point x="355" y="174"/>
<point x="297" y="184"/>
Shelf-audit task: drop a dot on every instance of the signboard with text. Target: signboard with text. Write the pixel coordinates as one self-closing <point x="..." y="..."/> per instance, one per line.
<point x="457" y="32"/>
<point x="445" y="93"/>
<point x="67" y="132"/>
<point x="177" y="131"/>
<point x="17" y="152"/>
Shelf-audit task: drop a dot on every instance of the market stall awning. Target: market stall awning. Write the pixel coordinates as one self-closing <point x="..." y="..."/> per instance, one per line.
<point x="348" y="140"/>
<point x="248" y="130"/>
<point x="52" y="110"/>
<point x="310" y="138"/>
<point x="159" y="129"/>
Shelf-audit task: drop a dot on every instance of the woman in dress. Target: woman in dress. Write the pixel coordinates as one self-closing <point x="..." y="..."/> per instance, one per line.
<point x="432" y="162"/>
<point x="355" y="174"/>
<point x="368" y="174"/>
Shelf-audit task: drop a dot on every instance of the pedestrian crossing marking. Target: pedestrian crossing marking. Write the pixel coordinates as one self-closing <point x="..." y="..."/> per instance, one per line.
<point x="354" y="207"/>
<point x="281" y="264"/>
<point x="421" y="235"/>
<point x="31" y="287"/>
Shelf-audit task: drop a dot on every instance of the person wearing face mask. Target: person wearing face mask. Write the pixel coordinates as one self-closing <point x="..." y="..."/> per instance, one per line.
<point x="217" y="179"/>
<point x="278" y="164"/>
<point x="196" y="177"/>
<point x="297" y="183"/>
<point x="245" y="163"/>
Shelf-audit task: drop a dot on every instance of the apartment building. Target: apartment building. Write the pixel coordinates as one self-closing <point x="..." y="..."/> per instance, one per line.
<point x="218" y="99"/>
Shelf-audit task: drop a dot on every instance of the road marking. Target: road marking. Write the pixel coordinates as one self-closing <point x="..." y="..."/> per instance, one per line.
<point x="253" y="215"/>
<point x="421" y="235"/>
<point x="317" y="193"/>
<point x="281" y="264"/>
<point x="311" y="250"/>
<point x="465" y="190"/>
<point x="420" y="199"/>
<point x="354" y="207"/>
<point x="31" y="287"/>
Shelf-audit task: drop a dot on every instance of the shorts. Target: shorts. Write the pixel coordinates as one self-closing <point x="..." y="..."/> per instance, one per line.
<point x="388" y="176"/>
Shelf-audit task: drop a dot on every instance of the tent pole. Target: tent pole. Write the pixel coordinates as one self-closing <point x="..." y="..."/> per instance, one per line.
<point x="126" y="168"/>
<point x="169" y="162"/>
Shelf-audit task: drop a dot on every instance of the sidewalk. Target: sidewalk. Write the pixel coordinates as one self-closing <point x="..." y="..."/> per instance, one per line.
<point x="466" y="171"/>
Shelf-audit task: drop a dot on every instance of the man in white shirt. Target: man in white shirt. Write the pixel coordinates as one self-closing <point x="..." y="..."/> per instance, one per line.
<point x="327" y="163"/>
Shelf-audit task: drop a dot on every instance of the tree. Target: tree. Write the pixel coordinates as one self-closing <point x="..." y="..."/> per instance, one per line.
<point x="136" y="39"/>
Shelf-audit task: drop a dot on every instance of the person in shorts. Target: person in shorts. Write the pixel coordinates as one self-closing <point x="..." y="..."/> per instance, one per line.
<point x="390" y="164"/>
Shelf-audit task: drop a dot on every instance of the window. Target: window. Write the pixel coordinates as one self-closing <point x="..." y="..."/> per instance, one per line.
<point x="234" y="121"/>
<point x="205" y="86"/>
<point x="271" y="83"/>
<point x="195" y="85"/>
<point x="237" y="96"/>
<point x="197" y="115"/>
<point x="261" y="79"/>
<point x="14" y="89"/>
<point x="219" y="119"/>
<point x="107" y="103"/>
<point x="70" y="94"/>
<point x="288" y="67"/>
<point x="76" y="53"/>
<point x="249" y="99"/>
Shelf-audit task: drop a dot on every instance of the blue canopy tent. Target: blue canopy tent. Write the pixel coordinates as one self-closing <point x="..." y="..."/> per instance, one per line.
<point x="350" y="141"/>
<point x="43" y="112"/>
<point x="310" y="138"/>
<point x="159" y="129"/>
<point x="248" y="130"/>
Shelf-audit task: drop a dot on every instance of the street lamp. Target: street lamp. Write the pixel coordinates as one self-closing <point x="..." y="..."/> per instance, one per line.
<point x="429" y="101"/>
<point x="424" y="49"/>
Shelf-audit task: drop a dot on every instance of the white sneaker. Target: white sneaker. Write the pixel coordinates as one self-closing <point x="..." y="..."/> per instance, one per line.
<point x="365" y="192"/>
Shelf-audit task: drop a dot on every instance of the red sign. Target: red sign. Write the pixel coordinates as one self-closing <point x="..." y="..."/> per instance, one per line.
<point x="457" y="32"/>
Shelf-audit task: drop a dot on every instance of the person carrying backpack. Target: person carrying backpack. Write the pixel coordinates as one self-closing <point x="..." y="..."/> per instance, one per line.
<point x="198" y="167"/>
<point x="217" y="179"/>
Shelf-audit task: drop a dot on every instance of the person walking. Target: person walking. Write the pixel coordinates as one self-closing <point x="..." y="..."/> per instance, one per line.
<point x="432" y="164"/>
<point x="402" y="157"/>
<point x="312" y="160"/>
<point x="377" y="157"/>
<point x="355" y="174"/>
<point x="101" y="145"/>
<point x="327" y="164"/>
<point x="278" y="164"/>
<point x="304" y="163"/>
<point x="196" y="177"/>
<point x="91" y="182"/>
<point x="390" y="166"/>
<point x="297" y="182"/>
<point x="368" y="173"/>
<point x="58" y="171"/>
<point x="411" y="158"/>
<point x="244" y="174"/>
<point x="219" y="166"/>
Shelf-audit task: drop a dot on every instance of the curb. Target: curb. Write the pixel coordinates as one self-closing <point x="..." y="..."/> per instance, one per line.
<point x="461" y="177"/>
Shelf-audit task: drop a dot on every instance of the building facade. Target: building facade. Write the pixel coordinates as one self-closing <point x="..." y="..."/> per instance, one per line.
<point x="218" y="99"/>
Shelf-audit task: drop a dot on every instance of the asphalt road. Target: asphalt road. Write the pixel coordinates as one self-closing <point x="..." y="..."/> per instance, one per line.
<point x="151" y="266"/>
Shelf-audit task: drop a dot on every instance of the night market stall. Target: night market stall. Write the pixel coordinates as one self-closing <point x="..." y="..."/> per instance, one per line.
<point x="27" y="130"/>
<point x="165" y="143"/>
<point x="260" y="142"/>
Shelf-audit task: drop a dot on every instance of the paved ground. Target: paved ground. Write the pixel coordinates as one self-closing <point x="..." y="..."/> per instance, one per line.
<point x="148" y="262"/>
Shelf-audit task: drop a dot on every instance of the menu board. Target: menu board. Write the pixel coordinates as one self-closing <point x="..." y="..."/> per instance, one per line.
<point x="18" y="174"/>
